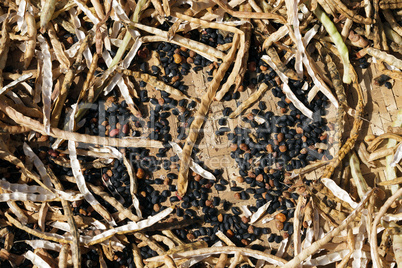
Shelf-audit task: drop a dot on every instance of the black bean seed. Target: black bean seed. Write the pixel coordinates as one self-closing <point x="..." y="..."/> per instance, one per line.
<point x="236" y="211"/>
<point x="220" y="187"/>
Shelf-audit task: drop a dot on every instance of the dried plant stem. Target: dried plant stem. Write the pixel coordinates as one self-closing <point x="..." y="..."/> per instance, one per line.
<point x="90" y="75"/>
<point x="392" y="22"/>
<point x="68" y="135"/>
<point x="153" y="81"/>
<point x="75" y="245"/>
<point x="320" y="243"/>
<point x="357" y="176"/>
<point x="390" y="4"/>
<point x="377" y="141"/>
<point x="290" y="73"/>
<point x="68" y="80"/>
<point x="169" y="261"/>
<point x="390" y="182"/>
<point x="226" y="250"/>
<point x="31" y="43"/>
<point x="340" y="93"/>
<point x="354" y="133"/>
<point x="46" y="236"/>
<point x="199" y="118"/>
<point x="249" y="15"/>
<point x="4" y="47"/>
<point x="343" y="9"/>
<point x="4" y="128"/>
<point x="253" y="98"/>
<point x="137" y="256"/>
<point x="151" y="243"/>
<point x="373" y="235"/>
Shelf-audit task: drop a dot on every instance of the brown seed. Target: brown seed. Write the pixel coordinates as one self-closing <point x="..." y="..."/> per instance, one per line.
<point x="161" y="101"/>
<point x="114" y="132"/>
<point x="287" y="101"/>
<point x="304" y="138"/>
<point x="237" y="196"/>
<point x="140" y="173"/>
<point x="245" y="242"/>
<point x="299" y="130"/>
<point x="252" y="66"/>
<point x="190" y="236"/>
<point x="208" y="203"/>
<point x="245" y="219"/>
<point x="70" y="40"/>
<point x="190" y="60"/>
<point x="229" y="233"/>
<point x="240" y="88"/>
<point x="270" y="148"/>
<point x="279" y="225"/>
<point x="283" y="110"/>
<point x="251" y="174"/>
<point x="259" y="178"/>
<point x="175" y="78"/>
<point x="243" y="147"/>
<point x="177" y="58"/>
<point x="250" y="229"/>
<point x="285" y="235"/>
<point x="82" y="212"/>
<point x="109" y="173"/>
<point x="233" y="147"/>
<point x="280" y="217"/>
<point x="278" y="80"/>
<point x="157" y="207"/>
<point x="125" y="129"/>
<point x="263" y="68"/>
<point x="271" y="183"/>
<point x="197" y="177"/>
<point x="166" y="181"/>
<point x="220" y="218"/>
<point x="192" y="53"/>
<point x="177" y="51"/>
<point x="240" y="179"/>
<point x="183" y="49"/>
<point x="118" y="125"/>
<point x="280" y="137"/>
<point x="282" y="148"/>
<point x="324" y="136"/>
<point x="250" y="116"/>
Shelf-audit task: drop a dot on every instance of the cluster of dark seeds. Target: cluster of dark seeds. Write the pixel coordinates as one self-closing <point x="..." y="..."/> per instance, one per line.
<point x="285" y="141"/>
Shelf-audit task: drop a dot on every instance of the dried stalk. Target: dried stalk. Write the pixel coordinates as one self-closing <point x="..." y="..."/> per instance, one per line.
<point x="195" y="127"/>
<point x="68" y="135"/>
<point x="373" y="235"/>
<point x="253" y="98"/>
<point x="68" y="80"/>
<point x="226" y="250"/>
<point x="249" y="15"/>
<point x="320" y="243"/>
<point x="75" y="245"/>
<point x="354" y="133"/>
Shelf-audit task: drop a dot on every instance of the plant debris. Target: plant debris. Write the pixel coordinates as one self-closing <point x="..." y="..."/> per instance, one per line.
<point x="206" y="133"/>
